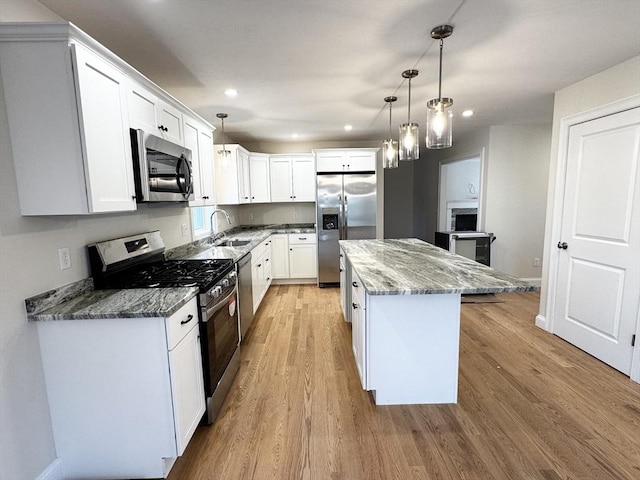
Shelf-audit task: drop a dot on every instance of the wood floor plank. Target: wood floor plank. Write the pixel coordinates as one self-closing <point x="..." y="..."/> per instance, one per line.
<point x="530" y="406"/>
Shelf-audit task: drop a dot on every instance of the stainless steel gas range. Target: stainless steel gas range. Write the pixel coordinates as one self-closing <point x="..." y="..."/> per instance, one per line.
<point x="138" y="261"/>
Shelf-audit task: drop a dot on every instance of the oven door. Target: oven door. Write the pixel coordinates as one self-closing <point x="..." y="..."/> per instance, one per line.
<point x="220" y="334"/>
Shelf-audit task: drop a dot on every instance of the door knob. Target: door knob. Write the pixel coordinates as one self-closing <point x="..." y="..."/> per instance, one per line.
<point x="563" y="245"/>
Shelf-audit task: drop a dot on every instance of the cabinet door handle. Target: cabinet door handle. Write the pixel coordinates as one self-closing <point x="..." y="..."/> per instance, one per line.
<point x="354" y="284"/>
<point x="354" y="305"/>
<point x="189" y="318"/>
<point x="259" y="265"/>
<point x="341" y="270"/>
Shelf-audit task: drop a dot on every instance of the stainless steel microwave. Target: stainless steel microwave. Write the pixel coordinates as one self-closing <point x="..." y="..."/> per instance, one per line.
<point x="161" y="169"/>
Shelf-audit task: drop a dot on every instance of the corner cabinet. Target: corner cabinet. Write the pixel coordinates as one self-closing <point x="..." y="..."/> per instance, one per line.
<point x="231" y="174"/>
<point x="69" y="127"/>
<point x="125" y="394"/>
<point x="259" y="177"/>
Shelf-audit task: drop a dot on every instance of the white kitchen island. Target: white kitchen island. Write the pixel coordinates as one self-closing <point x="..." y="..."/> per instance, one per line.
<point x="405" y="314"/>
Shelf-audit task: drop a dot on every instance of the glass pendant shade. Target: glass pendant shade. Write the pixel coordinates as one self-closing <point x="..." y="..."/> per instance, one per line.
<point x="390" y="146"/>
<point x="409" y="144"/>
<point x="439" y="123"/>
<point x="439" y="113"/>
<point x="390" y="153"/>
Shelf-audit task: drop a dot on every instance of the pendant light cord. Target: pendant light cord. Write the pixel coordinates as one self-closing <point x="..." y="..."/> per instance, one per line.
<point x="409" y="106"/>
<point x="390" y="132"/>
<point x="440" y="75"/>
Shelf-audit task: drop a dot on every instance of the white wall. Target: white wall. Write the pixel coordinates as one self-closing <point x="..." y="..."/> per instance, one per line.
<point x="29" y="266"/>
<point x="613" y="84"/>
<point x="516" y="195"/>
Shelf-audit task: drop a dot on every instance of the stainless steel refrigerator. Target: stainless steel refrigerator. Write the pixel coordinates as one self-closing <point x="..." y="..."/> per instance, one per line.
<point x="346" y="210"/>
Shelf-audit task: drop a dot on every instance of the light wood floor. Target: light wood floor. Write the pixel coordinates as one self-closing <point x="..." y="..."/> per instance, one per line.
<point x="530" y="405"/>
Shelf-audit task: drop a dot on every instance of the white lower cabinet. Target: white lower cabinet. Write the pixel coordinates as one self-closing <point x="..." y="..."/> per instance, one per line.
<point x="280" y="256"/>
<point x="358" y="327"/>
<point x="125" y="394"/>
<point x="302" y="255"/>
<point x="260" y="271"/>
<point x="345" y="286"/>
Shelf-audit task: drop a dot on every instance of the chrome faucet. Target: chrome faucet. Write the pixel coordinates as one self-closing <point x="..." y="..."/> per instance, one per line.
<point x="226" y="215"/>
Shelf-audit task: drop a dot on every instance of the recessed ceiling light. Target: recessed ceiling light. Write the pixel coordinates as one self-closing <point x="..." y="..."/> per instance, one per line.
<point x="230" y="92"/>
<point x="294" y="135"/>
<point x="348" y="128"/>
<point x="467" y="113"/>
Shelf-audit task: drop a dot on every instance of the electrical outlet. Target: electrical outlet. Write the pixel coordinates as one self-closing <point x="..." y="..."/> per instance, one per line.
<point x="536" y="262"/>
<point x="295" y="214"/>
<point x="250" y="215"/>
<point x="185" y="230"/>
<point x="65" y="258"/>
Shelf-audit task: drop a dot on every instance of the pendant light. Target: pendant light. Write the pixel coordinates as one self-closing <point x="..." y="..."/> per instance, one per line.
<point x="439" y="113"/>
<point x="224" y="152"/>
<point x="390" y="146"/>
<point x="408" y="143"/>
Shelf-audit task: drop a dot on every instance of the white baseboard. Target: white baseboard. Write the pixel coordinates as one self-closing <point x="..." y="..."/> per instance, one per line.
<point x="294" y="281"/>
<point x="541" y="322"/>
<point x="52" y="472"/>
<point x="537" y="281"/>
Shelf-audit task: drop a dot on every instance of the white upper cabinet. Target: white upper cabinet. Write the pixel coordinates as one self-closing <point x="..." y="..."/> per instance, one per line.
<point x="259" y="178"/>
<point x="231" y="174"/>
<point x="292" y="178"/>
<point x="70" y="126"/>
<point x="199" y="139"/>
<point x="149" y="113"/>
<point x="346" y="160"/>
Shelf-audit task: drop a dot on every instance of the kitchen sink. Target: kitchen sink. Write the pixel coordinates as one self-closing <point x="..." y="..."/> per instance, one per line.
<point x="232" y="243"/>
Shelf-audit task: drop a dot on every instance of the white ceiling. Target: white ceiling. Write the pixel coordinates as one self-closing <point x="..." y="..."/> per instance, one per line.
<point x="311" y="66"/>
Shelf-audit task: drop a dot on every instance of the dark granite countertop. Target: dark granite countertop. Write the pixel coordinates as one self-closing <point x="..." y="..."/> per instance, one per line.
<point x="206" y="249"/>
<point x="92" y="304"/>
<point x="79" y="300"/>
<point x="414" y="267"/>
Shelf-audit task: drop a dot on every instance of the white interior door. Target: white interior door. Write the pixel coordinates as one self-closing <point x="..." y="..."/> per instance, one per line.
<point x="598" y="284"/>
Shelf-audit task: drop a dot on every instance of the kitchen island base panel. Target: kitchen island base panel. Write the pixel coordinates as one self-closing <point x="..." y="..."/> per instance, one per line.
<point x="412" y="348"/>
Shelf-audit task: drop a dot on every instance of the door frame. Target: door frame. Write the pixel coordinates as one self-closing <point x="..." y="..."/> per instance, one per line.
<point x="480" y="153"/>
<point x="546" y="322"/>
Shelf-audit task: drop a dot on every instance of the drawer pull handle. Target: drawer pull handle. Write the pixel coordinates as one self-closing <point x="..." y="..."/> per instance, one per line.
<point x="302" y="238"/>
<point x="354" y="305"/>
<point x="354" y="284"/>
<point x="189" y="318"/>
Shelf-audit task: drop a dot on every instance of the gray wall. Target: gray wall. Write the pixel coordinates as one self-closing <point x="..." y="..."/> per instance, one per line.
<point x="513" y="196"/>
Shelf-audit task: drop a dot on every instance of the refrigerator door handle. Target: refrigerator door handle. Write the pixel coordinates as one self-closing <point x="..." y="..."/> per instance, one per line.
<point x="346" y="223"/>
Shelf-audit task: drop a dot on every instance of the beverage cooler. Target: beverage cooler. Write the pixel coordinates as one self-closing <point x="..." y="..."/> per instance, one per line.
<point x="473" y="245"/>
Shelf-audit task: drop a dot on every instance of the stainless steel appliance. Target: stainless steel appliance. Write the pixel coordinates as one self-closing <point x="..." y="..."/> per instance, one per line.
<point x="345" y="210"/>
<point x="245" y="293"/>
<point x="161" y="169"/>
<point x="473" y="245"/>
<point x="138" y="261"/>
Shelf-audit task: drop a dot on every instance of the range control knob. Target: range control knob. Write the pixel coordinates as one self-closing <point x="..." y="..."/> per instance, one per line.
<point x="225" y="282"/>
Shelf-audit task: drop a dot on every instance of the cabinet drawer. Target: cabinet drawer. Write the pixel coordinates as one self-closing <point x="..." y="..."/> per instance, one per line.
<point x="181" y="322"/>
<point x="302" y="238"/>
<point x="357" y="289"/>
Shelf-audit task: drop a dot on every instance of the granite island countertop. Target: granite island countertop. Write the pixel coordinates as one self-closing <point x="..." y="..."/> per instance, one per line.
<point x="414" y="267"/>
